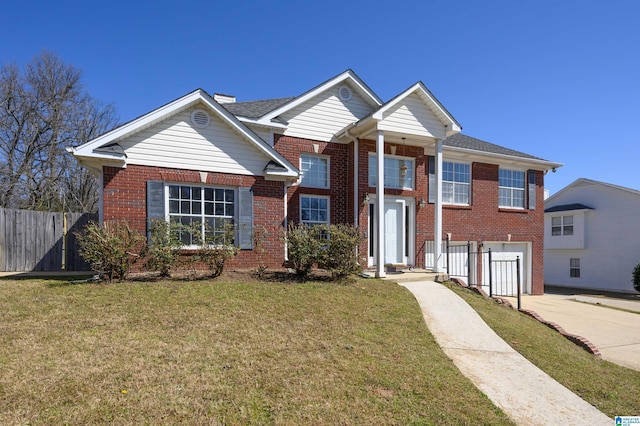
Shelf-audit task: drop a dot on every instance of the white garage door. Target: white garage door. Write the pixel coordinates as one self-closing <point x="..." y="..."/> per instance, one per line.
<point x="504" y="274"/>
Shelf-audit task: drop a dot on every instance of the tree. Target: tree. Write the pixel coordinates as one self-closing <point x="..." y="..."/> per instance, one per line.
<point x="44" y="109"/>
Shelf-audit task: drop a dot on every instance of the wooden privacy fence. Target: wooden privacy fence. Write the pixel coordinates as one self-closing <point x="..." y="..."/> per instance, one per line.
<point x="41" y="241"/>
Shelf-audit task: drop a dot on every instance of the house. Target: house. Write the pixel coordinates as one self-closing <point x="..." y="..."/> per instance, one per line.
<point x="589" y="236"/>
<point x="326" y="156"/>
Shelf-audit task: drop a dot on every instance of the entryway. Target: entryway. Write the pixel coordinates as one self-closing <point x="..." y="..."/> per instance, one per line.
<point x="399" y="226"/>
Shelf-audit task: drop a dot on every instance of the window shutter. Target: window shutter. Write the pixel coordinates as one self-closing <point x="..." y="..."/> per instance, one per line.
<point x="155" y="203"/>
<point x="432" y="179"/>
<point x="532" y="189"/>
<point x="245" y="218"/>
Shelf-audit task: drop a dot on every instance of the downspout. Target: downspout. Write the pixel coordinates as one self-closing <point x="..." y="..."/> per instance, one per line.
<point x="356" y="164"/>
<point x="285" y="222"/>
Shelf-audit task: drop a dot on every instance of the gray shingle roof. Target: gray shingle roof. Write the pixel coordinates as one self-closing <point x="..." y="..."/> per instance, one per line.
<point x="467" y="142"/>
<point x="255" y="109"/>
<point x="567" y="207"/>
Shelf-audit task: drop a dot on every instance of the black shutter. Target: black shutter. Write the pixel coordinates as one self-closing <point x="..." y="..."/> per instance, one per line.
<point x="432" y="179"/>
<point x="245" y="218"/>
<point x="532" y="189"/>
<point x="155" y="203"/>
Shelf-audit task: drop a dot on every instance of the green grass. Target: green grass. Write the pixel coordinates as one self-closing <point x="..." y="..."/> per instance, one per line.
<point x="225" y="352"/>
<point x="613" y="389"/>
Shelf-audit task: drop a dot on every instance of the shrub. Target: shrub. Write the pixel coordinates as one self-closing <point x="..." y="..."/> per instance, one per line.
<point x="216" y="247"/>
<point x="338" y="255"/>
<point x="163" y="252"/>
<point x="303" y="247"/>
<point x="110" y="249"/>
<point x="636" y="277"/>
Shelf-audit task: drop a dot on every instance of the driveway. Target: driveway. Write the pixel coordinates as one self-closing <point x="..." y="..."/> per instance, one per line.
<point x="616" y="333"/>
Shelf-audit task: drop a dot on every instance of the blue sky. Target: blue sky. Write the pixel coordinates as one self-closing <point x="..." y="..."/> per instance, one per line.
<point x="558" y="79"/>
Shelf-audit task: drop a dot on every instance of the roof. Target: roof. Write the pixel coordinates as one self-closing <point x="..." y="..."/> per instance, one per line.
<point x="255" y="109"/>
<point x="567" y="207"/>
<point x="467" y="142"/>
<point x="584" y="181"/>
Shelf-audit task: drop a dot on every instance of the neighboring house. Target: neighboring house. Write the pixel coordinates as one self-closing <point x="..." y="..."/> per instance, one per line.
<point x="590" y="240"/>
<point x="315" y="159"/>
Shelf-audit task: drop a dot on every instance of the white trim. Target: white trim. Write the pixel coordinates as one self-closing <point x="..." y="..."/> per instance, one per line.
<point x="319" y="156"/>
<point x="409" y="258"/>
<point x="199" y="96"/>
<point x="325" y="197"/>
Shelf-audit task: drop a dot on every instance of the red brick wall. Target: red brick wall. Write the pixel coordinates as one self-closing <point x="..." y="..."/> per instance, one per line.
<point x="481" y="222"/>
<point x="340" y="175"/>
<point x="125" y="198"/>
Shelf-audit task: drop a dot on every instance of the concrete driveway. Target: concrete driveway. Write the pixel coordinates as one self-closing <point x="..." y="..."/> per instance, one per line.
<point x="614" y="332"/>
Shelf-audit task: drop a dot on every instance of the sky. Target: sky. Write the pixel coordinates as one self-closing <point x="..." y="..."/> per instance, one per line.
<point x="558" y="79"/>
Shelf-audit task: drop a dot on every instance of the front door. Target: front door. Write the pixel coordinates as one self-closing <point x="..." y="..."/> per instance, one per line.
<point x="399" y="219"/>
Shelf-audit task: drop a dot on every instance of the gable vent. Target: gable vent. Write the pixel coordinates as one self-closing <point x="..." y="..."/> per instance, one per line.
<point x="200" y="118"/>
<point x="344" y="93"/>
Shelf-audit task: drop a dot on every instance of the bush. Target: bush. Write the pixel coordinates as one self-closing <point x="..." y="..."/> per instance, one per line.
<point x="636" y="277"/>
<point x="216" y="247"/>
<point x="163" y="253"/>
<point x="110" y="249"/>
<point x="330" y="247"/>
<point x="338" y="256"/>
<point x="303" y="247"/>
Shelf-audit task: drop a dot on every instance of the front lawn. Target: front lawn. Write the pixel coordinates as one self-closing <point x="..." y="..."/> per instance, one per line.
<point x="225" y="352"/>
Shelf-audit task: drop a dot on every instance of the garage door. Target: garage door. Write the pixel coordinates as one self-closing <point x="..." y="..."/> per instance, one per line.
<point x="504" y="270"/>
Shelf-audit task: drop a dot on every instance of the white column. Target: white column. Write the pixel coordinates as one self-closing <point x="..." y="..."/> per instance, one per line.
<point x="380" y="272"/>
<point x="437" y="223"/>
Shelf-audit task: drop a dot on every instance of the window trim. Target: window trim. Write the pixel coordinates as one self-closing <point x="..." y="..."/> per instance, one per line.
<point x="512" y="189"/>
<point x="574" y="267"/>
<point x="236" y="207"/>
<point x="323" y="197"/>
<point x="563" y="227"/>
<point x="453" y="203"/>
<point x="320" y="157"/>
<point x="411" y="160"/>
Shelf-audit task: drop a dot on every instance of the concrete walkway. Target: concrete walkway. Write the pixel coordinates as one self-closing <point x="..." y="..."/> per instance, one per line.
<point x="614" y="332"/>
<point x="524" y="392"/>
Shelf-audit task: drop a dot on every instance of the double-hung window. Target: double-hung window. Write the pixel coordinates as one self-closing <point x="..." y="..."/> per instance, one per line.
<point x="210" y="211"/>
<point x="314" y="210"/>
<point x="574" y="267"/>
<point x="456" y="183"/>
<point x="398" y="172"/>
<point x="315" y="171"/>
<point x="562" y="225"/>
<point x="511" y="186"/>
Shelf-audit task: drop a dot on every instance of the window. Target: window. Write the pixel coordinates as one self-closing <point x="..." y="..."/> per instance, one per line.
<point x="315" y="171"/>
<point x="456" y="183"/>
<point x="398" y="172"/>
<point x="574" y="267"/>
<point x="314" y="210"/>
<point x="511" y="187"/>
<point x="562" y="225"/>
<point x="213" y="209"/>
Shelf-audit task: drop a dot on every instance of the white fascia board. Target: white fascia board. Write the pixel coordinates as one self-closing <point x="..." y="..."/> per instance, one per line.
<point x="503" y="158"/>
<point x="262" y="123"/>
<point x="419" y="88"/>
<point x="347" y="75"/>
<point x="272" y="154"/>
<point x="137" y="124"/>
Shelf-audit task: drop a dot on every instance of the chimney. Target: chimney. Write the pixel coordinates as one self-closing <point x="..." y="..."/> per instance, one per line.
<point x="224" y="99"/>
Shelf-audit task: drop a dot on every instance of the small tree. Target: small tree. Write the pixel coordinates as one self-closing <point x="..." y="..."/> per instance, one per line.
<point x="110" y="249"/>
<point x="216" y="247"/>
<point x="338" y="255"/>
<point x="303" y="247"/>
<point x="636" y="277"/>
<point x="163" y="252"/>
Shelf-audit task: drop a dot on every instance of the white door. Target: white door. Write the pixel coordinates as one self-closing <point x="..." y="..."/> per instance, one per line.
<point x="394" y="237"/>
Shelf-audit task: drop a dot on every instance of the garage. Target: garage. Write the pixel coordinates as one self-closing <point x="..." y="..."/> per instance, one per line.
<point x="504" y="270"/>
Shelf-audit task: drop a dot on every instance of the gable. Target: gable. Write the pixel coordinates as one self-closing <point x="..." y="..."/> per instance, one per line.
<point x="412" y="116"/>
<point x="324" y="115"/>
<point x="177" y="143"/>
